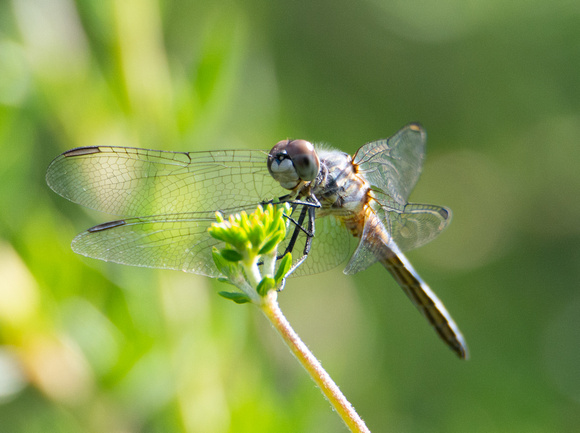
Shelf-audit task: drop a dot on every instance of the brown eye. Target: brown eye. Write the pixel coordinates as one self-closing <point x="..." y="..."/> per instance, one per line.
<point x="304" y="158"/>
<point x="293" y="160"/>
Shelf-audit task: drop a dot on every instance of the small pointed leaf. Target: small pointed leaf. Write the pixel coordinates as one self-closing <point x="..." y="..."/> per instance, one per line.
<point x="237" y="297"/>
<point x="231" y="255"/>
<point x="265" y="286"/>
<point x="283" y="268"/>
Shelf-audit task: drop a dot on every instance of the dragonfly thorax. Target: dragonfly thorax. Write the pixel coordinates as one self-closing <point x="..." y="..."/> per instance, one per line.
<point x="339" y="189"/>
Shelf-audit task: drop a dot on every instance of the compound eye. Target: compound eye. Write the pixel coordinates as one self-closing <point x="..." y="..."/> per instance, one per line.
<point x="292" y="161"/>
<point x="304" y="158"/>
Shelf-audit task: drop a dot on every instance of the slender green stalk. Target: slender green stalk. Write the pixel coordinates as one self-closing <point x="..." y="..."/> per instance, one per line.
<point x="313" y="367"/>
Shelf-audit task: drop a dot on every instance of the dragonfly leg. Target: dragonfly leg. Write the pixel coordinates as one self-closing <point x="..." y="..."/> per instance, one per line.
<point x="313" y="204"/>
<point x="309" y="235"/>
<point x="299" y="224"/>
<point x="297" y="228"/>
<point x="290" y="199"/>
<point x="309" y="209"/>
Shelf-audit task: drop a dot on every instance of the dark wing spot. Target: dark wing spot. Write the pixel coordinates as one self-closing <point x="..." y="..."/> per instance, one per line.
<point x="107" y="226"/>
<point x="80" y="151"/>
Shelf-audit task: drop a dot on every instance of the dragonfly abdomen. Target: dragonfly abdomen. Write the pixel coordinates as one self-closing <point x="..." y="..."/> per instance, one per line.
<point x="425" y="300"/>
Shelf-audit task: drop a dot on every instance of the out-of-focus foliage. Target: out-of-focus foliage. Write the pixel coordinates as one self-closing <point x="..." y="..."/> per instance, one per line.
<point x="87" y="346"/>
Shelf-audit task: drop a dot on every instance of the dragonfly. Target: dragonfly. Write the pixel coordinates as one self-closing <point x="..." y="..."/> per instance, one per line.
<point x="166" y="201"/>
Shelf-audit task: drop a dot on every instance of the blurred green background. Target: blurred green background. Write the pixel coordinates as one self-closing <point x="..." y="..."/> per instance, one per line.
<point x="87" y="346"/>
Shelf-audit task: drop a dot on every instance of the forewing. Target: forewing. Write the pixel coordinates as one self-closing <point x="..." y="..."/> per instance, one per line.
<point x="412" y="225"/>
<point x="394" y="165"/>
<point x="179" y="242"/>
<point x="134" y="182"/>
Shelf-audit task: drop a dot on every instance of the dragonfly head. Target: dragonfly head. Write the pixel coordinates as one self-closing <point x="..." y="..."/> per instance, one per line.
<point x="293" y="161"/>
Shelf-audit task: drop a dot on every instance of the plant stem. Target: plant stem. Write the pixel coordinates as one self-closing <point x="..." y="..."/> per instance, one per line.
<point x="346" y="411"/>
<point x="252" y="272"/>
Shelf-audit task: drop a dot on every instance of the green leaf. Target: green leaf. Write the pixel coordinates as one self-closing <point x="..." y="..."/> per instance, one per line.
<point x="269" y="246"/>
<point x="283" y="268"/>
<point x="265" y="286"/>
<point x="231" y="255"/>
<point x="238" y="298"/>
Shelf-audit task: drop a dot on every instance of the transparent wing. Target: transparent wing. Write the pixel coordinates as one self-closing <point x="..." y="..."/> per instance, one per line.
<point x="181" y="242"/>
<point x="411" y="225"/>
<point x="330" y="246"/>
<point x="133" y="182"/>
<point x="418" y="224"/>
<point x="394" y="165"/>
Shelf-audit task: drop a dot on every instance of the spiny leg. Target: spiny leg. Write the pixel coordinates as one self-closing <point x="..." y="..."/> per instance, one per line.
<point x="311" y="210"/>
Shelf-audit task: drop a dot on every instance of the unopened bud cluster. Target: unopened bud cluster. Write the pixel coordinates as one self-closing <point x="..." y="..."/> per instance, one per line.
<point x="247" y="238"/>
